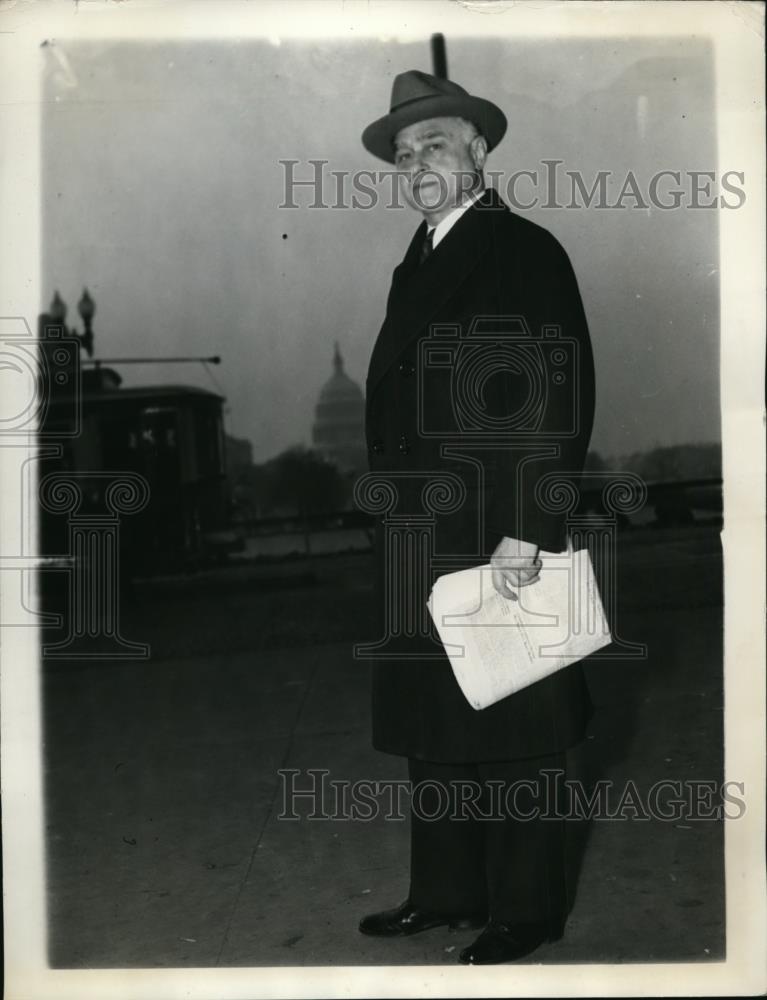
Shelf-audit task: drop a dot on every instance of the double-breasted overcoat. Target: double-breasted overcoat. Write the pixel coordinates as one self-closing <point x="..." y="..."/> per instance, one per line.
<point x="479" y="397"/>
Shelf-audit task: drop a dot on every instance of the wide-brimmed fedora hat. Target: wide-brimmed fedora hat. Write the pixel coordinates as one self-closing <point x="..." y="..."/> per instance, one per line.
<point x="416" y="96"/>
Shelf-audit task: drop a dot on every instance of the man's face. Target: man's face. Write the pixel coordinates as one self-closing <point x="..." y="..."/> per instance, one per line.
<point x="438" y="159"/>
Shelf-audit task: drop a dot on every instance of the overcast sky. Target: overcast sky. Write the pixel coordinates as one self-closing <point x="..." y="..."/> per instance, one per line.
<point x="162" y="187"/>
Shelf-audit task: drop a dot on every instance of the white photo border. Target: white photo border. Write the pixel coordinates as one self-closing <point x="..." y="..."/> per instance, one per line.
<point x="736" y="33"/>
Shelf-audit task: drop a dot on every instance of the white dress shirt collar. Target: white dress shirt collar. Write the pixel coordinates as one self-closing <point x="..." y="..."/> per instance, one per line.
<point x="441" y="230"/>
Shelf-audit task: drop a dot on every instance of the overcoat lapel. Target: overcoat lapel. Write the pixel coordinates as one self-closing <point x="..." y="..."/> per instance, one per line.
<point x="418" y="291"/>
<point x="405" y="270"/>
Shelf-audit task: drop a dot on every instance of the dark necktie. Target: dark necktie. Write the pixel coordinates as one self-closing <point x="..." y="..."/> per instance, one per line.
<point x="427" y="246"/>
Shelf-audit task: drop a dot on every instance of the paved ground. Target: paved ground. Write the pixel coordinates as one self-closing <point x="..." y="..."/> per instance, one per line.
<point x="163" y="794"/>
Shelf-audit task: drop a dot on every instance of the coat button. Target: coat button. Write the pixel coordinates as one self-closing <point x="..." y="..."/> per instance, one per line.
<point x="406" y="368"/>
<point x="404" y="447"/>
<point x="378" y="447"/>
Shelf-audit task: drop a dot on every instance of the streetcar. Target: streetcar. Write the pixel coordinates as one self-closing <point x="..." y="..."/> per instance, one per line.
<point x="170" y="435"/>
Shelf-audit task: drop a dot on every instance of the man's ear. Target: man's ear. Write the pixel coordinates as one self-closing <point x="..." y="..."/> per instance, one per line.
<point x="478" y="150"/>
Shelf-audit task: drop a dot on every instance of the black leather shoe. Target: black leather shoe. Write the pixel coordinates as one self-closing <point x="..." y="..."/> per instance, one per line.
<point x="507" y="942"/>
<point x="408" y="919"/>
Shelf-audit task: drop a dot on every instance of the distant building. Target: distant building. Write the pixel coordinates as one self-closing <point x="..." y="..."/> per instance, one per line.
<point x="339" y="421"/>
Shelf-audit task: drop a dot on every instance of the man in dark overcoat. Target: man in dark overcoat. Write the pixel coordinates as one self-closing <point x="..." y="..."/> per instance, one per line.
<point x="480" y="397"/>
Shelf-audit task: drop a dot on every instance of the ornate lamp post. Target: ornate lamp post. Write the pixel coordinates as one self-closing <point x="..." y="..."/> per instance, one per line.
<point x="58" y="309"/>
<point x="87" y="307"/>
<point x="57" y="312"/>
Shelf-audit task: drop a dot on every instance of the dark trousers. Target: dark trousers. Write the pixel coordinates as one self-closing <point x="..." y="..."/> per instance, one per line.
<point x="472" y="852"/>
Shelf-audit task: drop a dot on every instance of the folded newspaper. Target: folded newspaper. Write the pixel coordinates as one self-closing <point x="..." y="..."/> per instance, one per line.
<point x="498" y="645"/>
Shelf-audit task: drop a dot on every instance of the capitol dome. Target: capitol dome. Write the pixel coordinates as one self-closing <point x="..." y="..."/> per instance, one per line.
<point x="339" y="420"/>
